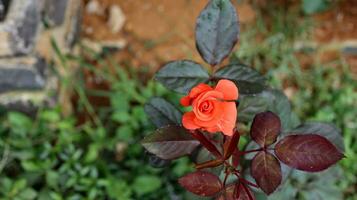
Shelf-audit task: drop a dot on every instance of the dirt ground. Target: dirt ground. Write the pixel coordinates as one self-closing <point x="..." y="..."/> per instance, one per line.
<point x="157" y="31"/>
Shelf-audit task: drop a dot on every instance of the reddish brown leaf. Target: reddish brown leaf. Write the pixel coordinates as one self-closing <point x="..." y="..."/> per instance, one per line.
<point x="236" y="191"/>
<point x="206" y="143"/>
<point x="265" y="128"/>
<point x="209" y="164"/>
<point x="201" y="183"/>
<point x="266" y="171"/>
<point x="235" y="158"/>
<point x="308" y="152"/>
<point x="230" y="145"/>
<point x="170" y="142"/>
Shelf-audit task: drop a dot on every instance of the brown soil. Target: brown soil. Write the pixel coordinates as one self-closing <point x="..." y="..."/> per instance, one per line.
<point x="156" y="31"/>
<point x="338" y="24"/>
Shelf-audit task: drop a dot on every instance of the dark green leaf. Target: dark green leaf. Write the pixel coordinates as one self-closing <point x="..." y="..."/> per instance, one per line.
<point x="321" y="185"/>
<point x="280" y="105"/>
<point x="246" y="87"/>
<point x="247" y="79"/>
<point x="217" y="31"/>
<point x="162" y="113"/>
<point x="170" y="142"/>
<point x="181" y="76"/>
<point x="268" y="100"/>
<point x="249" y="106"/>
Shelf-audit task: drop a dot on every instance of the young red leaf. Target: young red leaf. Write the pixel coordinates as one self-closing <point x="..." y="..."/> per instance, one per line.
<point x="308" y="152"/>
<point x="230" y="145"/>
<point x="170" y="142"/>
<point x="201" y="183"/>
<point x="206" y="143"/>
<point x="237" y="191"/>
<point x="265" y="128"/>
<point x="266" y="171"/>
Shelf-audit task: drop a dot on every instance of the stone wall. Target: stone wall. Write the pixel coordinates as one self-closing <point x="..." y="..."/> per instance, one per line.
<point x="27" y="28"/>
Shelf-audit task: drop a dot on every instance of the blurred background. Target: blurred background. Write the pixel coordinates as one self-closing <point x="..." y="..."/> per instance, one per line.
<point x="74" y="76"/>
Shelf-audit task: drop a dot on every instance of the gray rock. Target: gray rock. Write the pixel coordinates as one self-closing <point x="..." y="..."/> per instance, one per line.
<point x="54" y="11"/>
<point x="350" y="47"/>
<point x="26" y="101"/>
<point x="74" y="31"/>
<point x="4" y="4"/>
<point x="19" y="30"/>
<point x="2" y="10"/>
<point x="26" y="107"/>
<point x="25" y="84"/>
<point x="26" y="73"/>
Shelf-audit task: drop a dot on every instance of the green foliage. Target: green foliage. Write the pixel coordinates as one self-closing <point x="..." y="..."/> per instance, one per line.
<point x="146" y="184"/>
<point x="50" y="157"/>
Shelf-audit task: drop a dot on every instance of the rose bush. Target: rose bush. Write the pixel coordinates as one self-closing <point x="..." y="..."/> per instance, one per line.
<point x="213" y="109"/>
<point x="275" y="131"/>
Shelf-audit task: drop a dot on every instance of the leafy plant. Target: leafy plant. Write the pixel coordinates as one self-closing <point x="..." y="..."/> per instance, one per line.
<point x="224" y="173"/>
<point x="52" y="157"/>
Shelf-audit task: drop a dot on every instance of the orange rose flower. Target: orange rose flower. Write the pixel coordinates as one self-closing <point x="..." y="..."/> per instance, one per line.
<point x="212" y="108"/>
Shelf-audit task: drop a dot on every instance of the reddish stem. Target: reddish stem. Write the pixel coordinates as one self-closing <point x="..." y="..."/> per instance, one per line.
<point x="250" y="183"/>
<point x="225" y="177"/>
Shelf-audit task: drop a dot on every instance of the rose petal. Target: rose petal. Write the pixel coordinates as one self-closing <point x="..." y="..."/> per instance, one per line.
<point x="213" y="129"/>
<point x="228" y="121"/>
<point x="185" y="101"/>
<point x="188" y="121"/>
<point x="210" y="119"/>
<point x="197" y="90"/>
<point x="228" y="88"/>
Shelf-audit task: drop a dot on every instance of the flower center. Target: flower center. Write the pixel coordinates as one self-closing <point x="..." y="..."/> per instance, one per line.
<point x="206" y="107"/>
